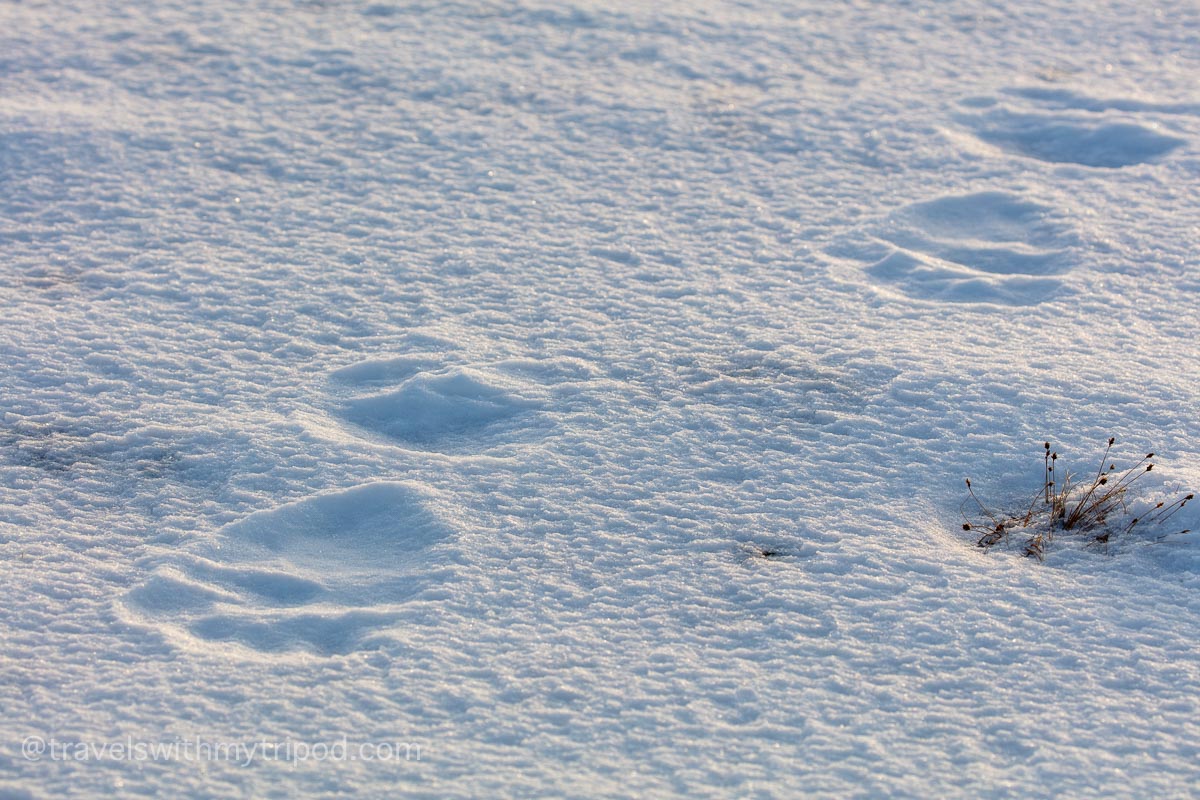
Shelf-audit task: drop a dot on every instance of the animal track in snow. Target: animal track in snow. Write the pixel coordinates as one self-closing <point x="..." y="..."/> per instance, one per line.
<point x="1081" y="131"/>
<point x="320" y="574"/>
<point x="1060" y="97"/>
<point x="1108" y="144"/>
<point x="430" y="408"/>
<point x="989" y="247"/>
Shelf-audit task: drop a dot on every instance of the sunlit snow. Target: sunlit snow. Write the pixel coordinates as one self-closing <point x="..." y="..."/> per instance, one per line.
<point x="527" y="399"/>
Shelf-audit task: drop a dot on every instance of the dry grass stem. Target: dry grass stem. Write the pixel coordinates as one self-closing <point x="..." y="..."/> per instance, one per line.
<point x="1060" y="506"/>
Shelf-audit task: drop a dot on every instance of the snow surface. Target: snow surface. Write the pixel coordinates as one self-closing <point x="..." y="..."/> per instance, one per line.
<point x="582" y="392"/>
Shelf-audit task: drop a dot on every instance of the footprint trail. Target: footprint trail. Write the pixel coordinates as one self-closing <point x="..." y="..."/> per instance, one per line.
<point x="321" y="574"/>
<point x="447" y="409"/>
<point x="986" y="247"/>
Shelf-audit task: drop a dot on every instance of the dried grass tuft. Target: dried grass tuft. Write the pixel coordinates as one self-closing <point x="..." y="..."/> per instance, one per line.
<point x="1097" y="510"/>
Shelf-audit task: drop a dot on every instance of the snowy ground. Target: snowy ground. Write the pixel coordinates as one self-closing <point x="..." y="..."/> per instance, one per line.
<point x="581" y="394"/>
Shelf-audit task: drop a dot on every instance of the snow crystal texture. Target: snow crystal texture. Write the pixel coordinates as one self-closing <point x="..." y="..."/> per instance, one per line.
<point x="581" y="394"/>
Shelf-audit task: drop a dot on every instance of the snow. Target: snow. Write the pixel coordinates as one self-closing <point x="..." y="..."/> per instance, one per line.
<point x="582" y="395"/>
<point x="429" y="407"/>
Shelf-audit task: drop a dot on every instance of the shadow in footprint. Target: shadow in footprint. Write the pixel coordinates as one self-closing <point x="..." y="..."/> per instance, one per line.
<point x="1064" y="98"/>
<point x="987" y="247"/>
<point x="319" y="574"/>
<point x="1068" y="140"/>
<point x="995" y="217"/>
<point x="449" y="409"/>
<point x="935" y="279"/>
<point x="327" y="634"/>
